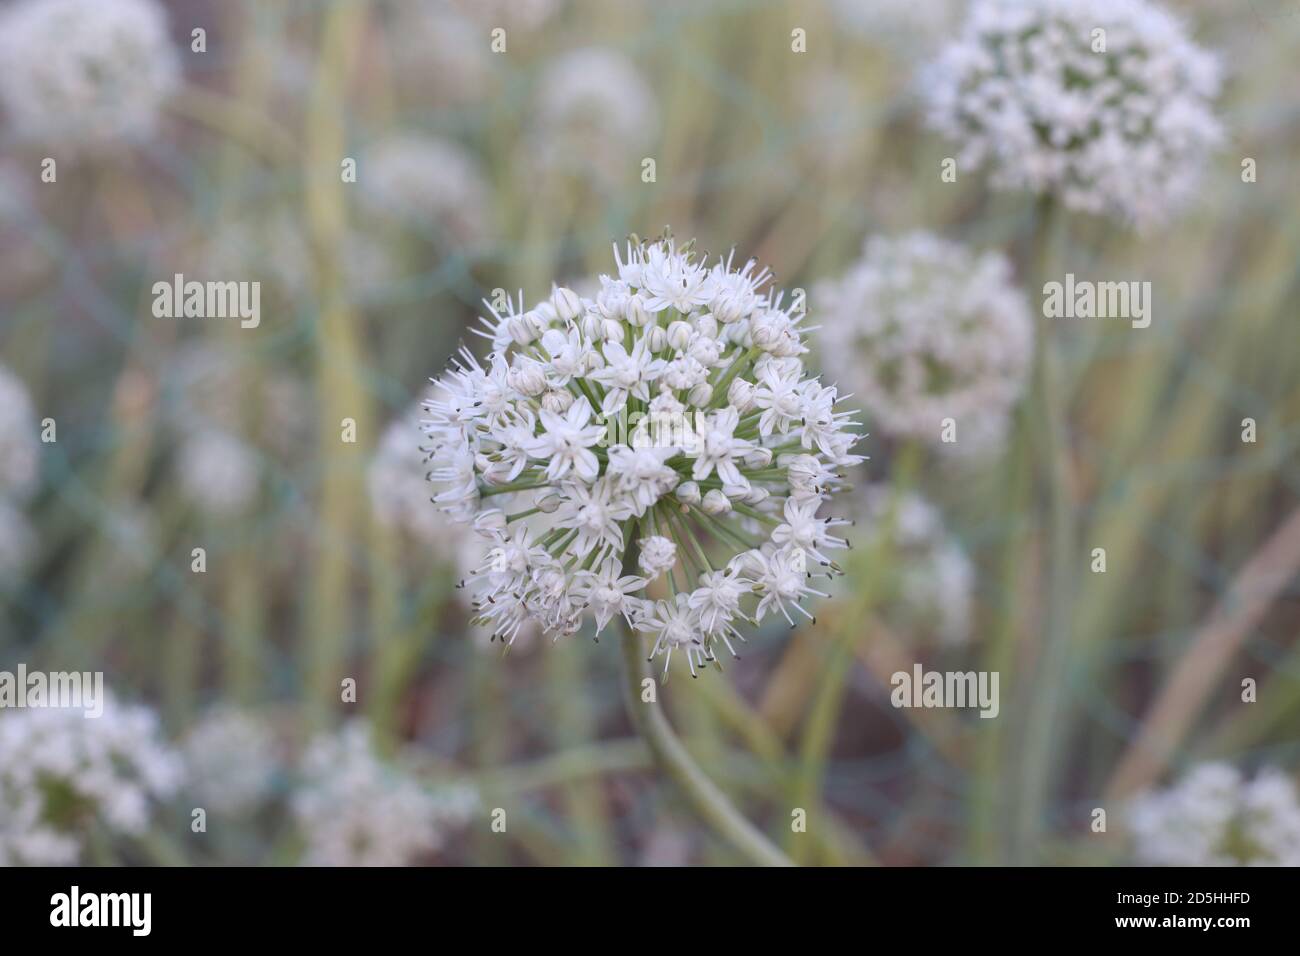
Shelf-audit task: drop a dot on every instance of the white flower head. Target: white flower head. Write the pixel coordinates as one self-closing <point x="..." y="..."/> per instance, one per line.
<point x="1104" y="104"/>
<point x="355" y="809"/>
<point x="931" y="579"/>
<point x="85" y="75"/>
<point x="64" y="774"/>
<point x="1215" y="817"/>
<point x="595" y="114"/>
<point x="920" y="330"/>
<point x="230" y="761"/>
<point x="218" y="472"/>
<point x="647" y="477"/>
<point x="428" y="184"/>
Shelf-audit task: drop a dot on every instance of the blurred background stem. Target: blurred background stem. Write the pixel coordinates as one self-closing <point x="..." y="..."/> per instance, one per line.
<point x="1049" y="399"/>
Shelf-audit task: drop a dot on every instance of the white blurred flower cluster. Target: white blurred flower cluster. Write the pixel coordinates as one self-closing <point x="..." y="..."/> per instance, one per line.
<point x="1215" y="817"/>
<point x="226" y="416"/>
<point x="1124" y="132"/>
<point x="230" y="761"/>
<point x="932" y="578"/>
<point x="19" y="466"/>
<point x="85" y="75"/>
<point x="594" y="115"/>
<point x="426" y="183"/>
<point x="920" y="329"/>
<point x="440" y="52"/>
<point x="65" y="777"/>
<point x="355" y="809"/>
<point x="670" y="417"/>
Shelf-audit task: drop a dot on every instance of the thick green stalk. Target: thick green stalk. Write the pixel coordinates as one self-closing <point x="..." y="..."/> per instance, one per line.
<point x="1050" y="402"/>
<point x="713" y="806"/>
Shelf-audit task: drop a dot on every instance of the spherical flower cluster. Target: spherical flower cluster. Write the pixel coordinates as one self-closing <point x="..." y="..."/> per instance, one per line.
<point x="227" y="416"/>
<point x="85" y="74"/>
<point x="230" y="760"/>
<point x="218" y="472"/>
<point x="595" y="115"/>
<point x="1214" y="817"/>
<point x="610" y="445"/>
<point x="919" y="330"/>
<point x="1028" y="90"/>
<point x="440" y="53"/>
<point x="63" y="774"/>
<point x="932" y="579"/>
<point x="426" y="183"/>
<point x="356" y="810"/>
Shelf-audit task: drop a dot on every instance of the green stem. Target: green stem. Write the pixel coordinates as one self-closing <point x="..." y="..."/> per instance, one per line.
<point x="1043" y="734"/>
<point x="713" y="806"/>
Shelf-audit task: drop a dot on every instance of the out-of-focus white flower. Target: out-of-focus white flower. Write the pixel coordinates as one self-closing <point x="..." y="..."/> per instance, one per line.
<point x="213" y="387"/>
<point x="427" y="184"/>
<point x="355" y="809"/>
<point x="217" y="472"/>
<point x="930" y="579"/>
<point x="400" y="493"/>
<point x="19" y="439"/>
<point x="62" y="774"/>
<point x="1125" y="132"/>
<point x="441" y="53"/>
<point x="595" y="115"/>
<point x="688" y="331"/>
<point x="230" y="759"/>
<point x="85" y="74"/>
<point x="920" y="329"/>
<point x="1214" y="817"/>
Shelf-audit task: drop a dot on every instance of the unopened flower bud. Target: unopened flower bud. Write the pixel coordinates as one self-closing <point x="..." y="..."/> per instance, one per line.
<point x="612" y="331"/>
<point x="679" y="334"/>
<point x="716" y="503"/>
<point x="557" y="400"/>
<point x="529" y="378"/>
<point x="568" y="306"/>
<point x="740" y="393"/>
<point x="701" y="395"/>
<point x="547" y="501"/>
<point x="758" y="458"/>
<point x="658" y="339"/>
<point x="525" y="328"/>
<point x="707" y="325"/>
<point x="688" y="493"/>
<point x="637" y="315"/>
